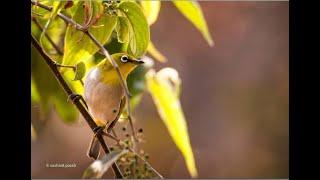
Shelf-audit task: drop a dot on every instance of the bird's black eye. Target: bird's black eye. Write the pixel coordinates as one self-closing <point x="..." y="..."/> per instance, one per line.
<point x="124" y="58"/>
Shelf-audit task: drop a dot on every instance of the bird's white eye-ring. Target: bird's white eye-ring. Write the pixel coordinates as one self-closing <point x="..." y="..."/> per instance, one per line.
<point x="124" y="58"/>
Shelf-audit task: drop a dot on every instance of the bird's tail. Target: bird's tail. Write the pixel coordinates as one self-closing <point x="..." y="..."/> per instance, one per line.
<point x="94" y="148"/>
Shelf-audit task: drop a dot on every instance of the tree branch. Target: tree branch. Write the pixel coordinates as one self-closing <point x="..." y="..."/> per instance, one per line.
<point x="76" y="102"/>
<point x="84" y="29"/>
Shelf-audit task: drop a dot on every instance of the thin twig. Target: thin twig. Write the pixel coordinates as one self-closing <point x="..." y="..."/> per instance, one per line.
<point x="71" y="67"/>
<point x="76" y="102"/>
<point x="59" y="51"/>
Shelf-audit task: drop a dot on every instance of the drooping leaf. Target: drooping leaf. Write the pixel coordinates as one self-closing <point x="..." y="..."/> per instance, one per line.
<point x="122" y="29"/>
<point x="164" y="89"/>
<point x="155" y="53"/>
<point x="139" y="28"/>
<point x="80" y="71"/>
<point x="192" y="11"/>
<point x="151" y="10"/>
<point x="78" y="46"/>
<point x="92" y="11"/>
<point x="99" y="167"/>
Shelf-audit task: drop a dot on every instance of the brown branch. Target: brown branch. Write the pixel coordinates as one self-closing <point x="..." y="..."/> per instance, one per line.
<point x="84" y="29"/>
<point x="83" y="111"/>
<point x="76" y="102"/>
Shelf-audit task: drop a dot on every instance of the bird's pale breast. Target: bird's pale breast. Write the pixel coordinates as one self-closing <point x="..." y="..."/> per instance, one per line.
<point x="102" y="98"/>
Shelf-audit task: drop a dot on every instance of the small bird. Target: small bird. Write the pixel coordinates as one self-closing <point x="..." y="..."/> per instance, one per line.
<point x="104" y="94"/>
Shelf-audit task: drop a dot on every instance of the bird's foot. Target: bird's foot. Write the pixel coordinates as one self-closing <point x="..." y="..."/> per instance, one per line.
<point x="100" y="130"/>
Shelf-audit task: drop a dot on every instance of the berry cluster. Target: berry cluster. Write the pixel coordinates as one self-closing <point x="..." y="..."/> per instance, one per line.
<point x="133" y="165"/>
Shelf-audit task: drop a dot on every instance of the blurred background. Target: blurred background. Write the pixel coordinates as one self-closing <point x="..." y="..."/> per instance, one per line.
<point x="234" y="95"/>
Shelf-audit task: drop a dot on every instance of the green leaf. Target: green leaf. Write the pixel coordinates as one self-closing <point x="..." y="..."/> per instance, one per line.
<point x="48" y="89"/>
<point x="56" y="32"/>
<point x="122" y="29"/>
<point x="139" y="31"/>
<point x="40" y="12"/>
<point x="80" y="71"/>
<point x="65" y="109"/>
<point x="43" y="81"/>
<point x="114" y="46"/>
<point x="151" y="10"/>
<point x="192" y="11"/>
<point x="78" y="46"/>
<point x="56" y="8"/>
<point x="99" y="167"/>
<point x="164" y="88"/>
<point x="35" y="97"/>
<point x="76" y="86"/>
<point x="155" y="53"/>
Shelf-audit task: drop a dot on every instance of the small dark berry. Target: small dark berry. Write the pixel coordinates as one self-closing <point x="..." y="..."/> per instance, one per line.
<point x="146" y="156"/>
<point x="140" y="130"/>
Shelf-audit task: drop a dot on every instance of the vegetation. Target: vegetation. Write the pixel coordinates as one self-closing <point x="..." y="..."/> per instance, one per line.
<point x="71" y="37"/>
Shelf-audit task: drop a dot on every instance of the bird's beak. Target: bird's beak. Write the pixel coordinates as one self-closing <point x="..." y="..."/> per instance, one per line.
<point x="137" y="61"/>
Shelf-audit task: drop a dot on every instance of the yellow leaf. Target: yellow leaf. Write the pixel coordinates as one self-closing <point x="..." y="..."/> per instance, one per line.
<point x="166" y="98"/>
<point x="79" y="47"/>
<point x="151" y="10"/>
<point x="192" y="11"/>
<point x="155" y="53"/>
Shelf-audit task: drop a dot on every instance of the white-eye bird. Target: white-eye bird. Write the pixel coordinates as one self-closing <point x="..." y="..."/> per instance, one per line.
<point x="104" y="94"/>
